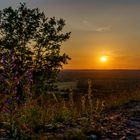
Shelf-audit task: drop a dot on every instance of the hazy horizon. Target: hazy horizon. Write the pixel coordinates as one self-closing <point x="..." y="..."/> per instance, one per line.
<point x="103" y="69"/>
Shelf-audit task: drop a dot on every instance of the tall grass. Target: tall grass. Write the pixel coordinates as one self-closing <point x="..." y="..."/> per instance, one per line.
<point x="35" y="116"/>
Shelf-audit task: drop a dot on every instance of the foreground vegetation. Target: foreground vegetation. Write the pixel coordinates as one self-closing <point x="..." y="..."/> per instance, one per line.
<point x="53" y="116"/>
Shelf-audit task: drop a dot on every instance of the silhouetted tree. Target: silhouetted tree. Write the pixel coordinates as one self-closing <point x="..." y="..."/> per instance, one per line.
<point x="30" y="45"/>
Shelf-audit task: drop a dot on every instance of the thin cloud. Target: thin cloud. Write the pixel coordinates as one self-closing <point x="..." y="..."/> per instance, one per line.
<point x="102" y="29"/>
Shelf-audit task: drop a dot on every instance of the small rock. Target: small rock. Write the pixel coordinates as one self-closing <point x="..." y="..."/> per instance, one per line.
<point x="93" y="137"/>
<point x="123" y="138"/>
<point x="49" y="128"/>
<point x="138" y="137"/>
<point x="115" y="134"/>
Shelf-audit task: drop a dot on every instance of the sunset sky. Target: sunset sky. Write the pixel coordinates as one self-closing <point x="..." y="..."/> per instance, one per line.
<point x="99" y="28"/>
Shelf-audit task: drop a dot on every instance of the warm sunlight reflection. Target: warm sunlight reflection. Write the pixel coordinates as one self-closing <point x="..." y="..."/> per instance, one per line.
<point x="103" y="59"/>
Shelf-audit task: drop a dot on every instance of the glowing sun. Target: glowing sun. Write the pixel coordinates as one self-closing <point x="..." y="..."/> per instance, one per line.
<point x="103" y="59"/>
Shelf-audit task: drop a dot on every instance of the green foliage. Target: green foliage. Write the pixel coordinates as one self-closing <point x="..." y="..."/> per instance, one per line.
<point x="63" y="115"/>
<point x="30" y="46"/>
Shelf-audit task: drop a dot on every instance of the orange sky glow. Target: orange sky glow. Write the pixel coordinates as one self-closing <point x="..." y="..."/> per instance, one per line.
<point x="99" y="28"/>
